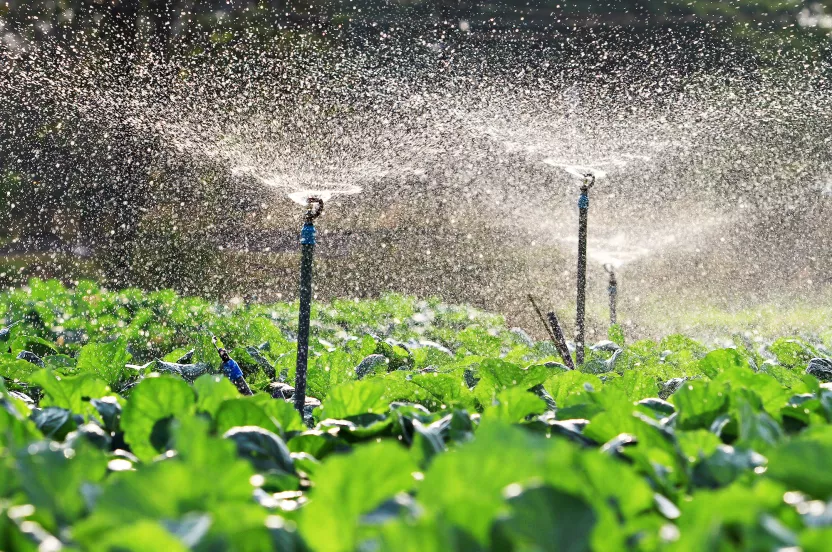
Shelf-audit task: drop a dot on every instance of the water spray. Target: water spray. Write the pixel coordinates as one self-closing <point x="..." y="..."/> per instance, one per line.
<point x="613" y="291"/>
<point x="583" y="217"/>
<point x="314" y="209"/>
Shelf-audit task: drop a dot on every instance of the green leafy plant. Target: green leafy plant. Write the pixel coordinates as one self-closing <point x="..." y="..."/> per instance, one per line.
<point x="472" y="439"/>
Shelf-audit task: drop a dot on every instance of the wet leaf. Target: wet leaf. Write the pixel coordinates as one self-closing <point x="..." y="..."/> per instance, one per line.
<point x="154" y="399"/>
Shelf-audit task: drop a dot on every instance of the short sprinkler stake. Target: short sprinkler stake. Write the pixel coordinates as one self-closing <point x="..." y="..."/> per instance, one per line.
<point x="314" y="209"/>
<point x="613" y="291"/>
<point x="560" y="341"/>
<point x="543" y="320"/>
<point x="555" y="334"/>
<point x="583" y="216"/>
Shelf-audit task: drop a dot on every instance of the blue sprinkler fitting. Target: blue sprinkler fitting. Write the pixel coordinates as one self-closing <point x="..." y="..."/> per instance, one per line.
<point x="308" y="234"/>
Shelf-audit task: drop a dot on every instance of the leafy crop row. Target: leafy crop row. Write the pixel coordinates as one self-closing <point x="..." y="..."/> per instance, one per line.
<point x="437" y="428"/>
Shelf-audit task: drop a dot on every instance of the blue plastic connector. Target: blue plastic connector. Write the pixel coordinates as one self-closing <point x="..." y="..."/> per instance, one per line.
<point x="307" y="234"/>
<point x="583" y="202"/>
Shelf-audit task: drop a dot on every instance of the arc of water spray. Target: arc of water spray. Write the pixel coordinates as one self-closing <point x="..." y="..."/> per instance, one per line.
<point x="314" y="209"/>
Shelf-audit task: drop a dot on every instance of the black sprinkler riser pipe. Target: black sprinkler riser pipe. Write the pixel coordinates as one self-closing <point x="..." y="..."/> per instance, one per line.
<point x="583" y="220"/>
<point x="307" y="241"/>
<point x="307" y="256"/>
<point x="613" y="290"/>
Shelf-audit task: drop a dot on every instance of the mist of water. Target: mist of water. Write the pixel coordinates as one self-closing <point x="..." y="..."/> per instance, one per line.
<point x="715" y="182"/>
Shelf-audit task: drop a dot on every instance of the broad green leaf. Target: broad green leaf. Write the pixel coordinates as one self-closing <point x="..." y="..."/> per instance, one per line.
<point x="60" y="363"/>
<point x="697" y="444"/>
<point x="316" y="443"/>
<point x="212" y="458"/>
<point x="786" y="377"/>
<point x="349" y="486"/>
<point x="243" y="526"/>
<point x="265" y="450"/>
<point x="792" y="352"/>
<point x="142" y="536"/>
<point x="816" y="539"/>
<point x="655" y="445"/>
<point x="54" y="422"/>
<point x="699" y="403"/>
<point x="212" y="390"/>
<point x="427" y="356"/>
<point x="37" y="345"/>
<point x="641" y="355"/>
<point x="329" y="371"/>
<point x="244" y="411"/>
<point x="397" y="357"/>
<point x="284" y="412"/>
<point x="615" y="333"/>
<point x="513" y="405"/>
<point x="498" y="375"/>
<point x="726" y="465"/>
<point x="757" y="430"/>
<point x="13" y="369"/>
<point x="634" y="386"/>
<point x="401" y="388"/>
<point x="361" y="397"/>
<point x="126" y="499"/>
<point x="721" y="360"/>
<point x="152" y="400"/>
<point x="735" y="514"/>
<point x="472" y="498"/>
<point x="478" y="341"/>
<point x="205" y="352"/>
<point x="571" y="388"/>
<point x="53" y="481"/>
<point x="106" y="361"/>
<point x="773" y="397"/>
<point x="15" y="432"/>
<point x="205" y="477"/>
<point x="71" y="392"/>
<point x="803" y="463"/>
<point x="422" y="535"/>
<point x="444" y="389"/>
<point x="544" y="518"/>
<point x="678" y="343"/>
<point x="175" y="355"/>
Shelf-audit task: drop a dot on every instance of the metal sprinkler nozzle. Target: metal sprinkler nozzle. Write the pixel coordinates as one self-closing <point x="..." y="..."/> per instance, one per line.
<point x="314" y="208"/>
<point x="589" y="180"/>
<point x="611" y="271"/>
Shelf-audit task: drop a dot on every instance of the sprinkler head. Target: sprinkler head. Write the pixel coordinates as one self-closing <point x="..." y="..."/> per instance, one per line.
<point x="314" y="208"/>
<point x="589" y="180"/>
<point x="611" y="271"/>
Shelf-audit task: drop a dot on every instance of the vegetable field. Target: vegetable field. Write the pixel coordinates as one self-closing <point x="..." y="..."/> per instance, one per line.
<point x="429" y="427"/>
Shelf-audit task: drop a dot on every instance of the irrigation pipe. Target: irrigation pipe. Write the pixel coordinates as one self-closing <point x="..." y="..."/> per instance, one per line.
<point x="314" y="209"/>
<point x="583" y="220"/>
